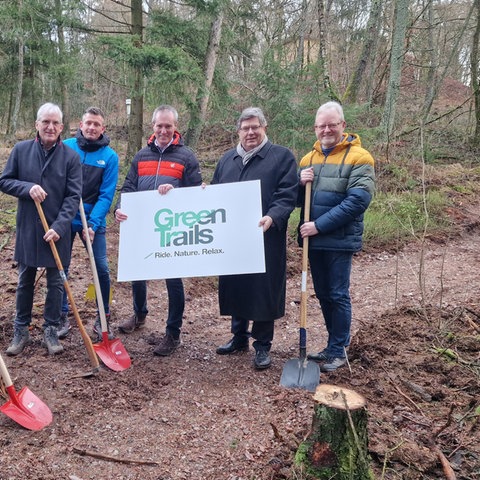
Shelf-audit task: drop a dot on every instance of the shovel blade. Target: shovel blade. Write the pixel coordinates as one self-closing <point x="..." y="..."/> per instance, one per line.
<point x="300" y="373"/>
<point x="27" y="409"/>
<point x="113" y="354"/>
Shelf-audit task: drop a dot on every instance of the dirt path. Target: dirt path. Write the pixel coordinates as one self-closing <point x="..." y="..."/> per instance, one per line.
<point x="203" y="416"/>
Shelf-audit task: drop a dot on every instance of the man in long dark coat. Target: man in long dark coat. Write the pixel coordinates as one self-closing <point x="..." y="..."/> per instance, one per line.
<point x="42" y="170"/>
<point x="259" y="297"/>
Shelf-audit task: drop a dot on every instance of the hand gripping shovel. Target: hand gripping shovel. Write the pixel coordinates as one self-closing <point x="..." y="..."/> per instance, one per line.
<point x="300" y="372"/>
<point x="112" y="352"/>
<point x="83" y="332"/>
<point x="24" y="407"/>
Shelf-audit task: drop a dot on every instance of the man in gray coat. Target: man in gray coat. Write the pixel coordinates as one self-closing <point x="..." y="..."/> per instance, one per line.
<point x="42" y="170"/>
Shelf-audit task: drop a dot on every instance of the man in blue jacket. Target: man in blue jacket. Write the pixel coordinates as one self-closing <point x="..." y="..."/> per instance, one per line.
<point x="42" y="170"/>
<point x="100" y="174"/>
<point x="343" y="177"/>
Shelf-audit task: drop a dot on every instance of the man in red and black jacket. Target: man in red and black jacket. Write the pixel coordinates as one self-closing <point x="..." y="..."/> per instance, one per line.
<point x="165" y="163"/>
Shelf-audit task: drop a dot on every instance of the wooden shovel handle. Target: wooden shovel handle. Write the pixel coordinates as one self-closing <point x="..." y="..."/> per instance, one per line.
<point x="96" y="281"/>
<point x="5" y="375"/>
<point x="303" y="298"/>
<point x="86" y="339"/>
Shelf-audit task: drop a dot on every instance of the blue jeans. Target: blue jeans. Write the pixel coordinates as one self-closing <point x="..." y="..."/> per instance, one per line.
<point x="331" y="281"/>
<point x="176" y="303"/>
<point x="25" y="293"/>
<point x="99" y="248"/>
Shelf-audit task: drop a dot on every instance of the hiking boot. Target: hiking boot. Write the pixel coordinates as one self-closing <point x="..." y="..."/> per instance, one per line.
<point x="136" y="321"/>
<point x="333" y="363"/>
<point x="97" y="328"/>
<point x="319" y="357"/>
<point x="50" y="340"/>
<point x="262" y="360"/>
<point x="21" y="338"/>
<point x="64" y="326"/>
<point x="166" y="346"/>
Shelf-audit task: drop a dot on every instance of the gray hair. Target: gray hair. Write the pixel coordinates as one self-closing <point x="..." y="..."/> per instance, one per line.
<point x="94" y="111"/>
<point x="165" y="108"/>
<point x="249" y="113"/>
<point x="331" y="106"/>
<point x="48" y="108"/>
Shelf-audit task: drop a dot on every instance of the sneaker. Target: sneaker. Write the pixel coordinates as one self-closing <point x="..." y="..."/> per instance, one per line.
<point x="21" y="338"/>
<point x="319" y="357"/>
<point x="97" y="328"/>
<point x="136" y="321"/>
<point x="333" y="363"/>
<point x="262" y="360"/>
<point x="166" y="346"/>
<point x="64" y="326"/>
<point x="50" y="340"/>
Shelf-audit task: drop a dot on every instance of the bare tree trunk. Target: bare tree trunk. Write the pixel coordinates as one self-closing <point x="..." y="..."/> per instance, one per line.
<point x="435" y="77"/>
<point x="475" y="72"/>
<point x="299" y="61"/>
<point x="63" y="77"/>
<point x="135" y="120"/>
<point x="396" y="64"/>
<point x="12" y="126"/>
<point x="366" y="56"/>
<point x="199" y="114"/>
<point x="322" y="51"/>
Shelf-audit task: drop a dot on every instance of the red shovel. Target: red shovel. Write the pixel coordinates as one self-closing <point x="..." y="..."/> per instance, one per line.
<point x="111" y="352"/>
<point x="24" y="407"/>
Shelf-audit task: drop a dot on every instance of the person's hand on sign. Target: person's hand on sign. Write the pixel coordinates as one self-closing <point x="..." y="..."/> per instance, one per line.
<point x="265" y="222"/>
<point x="164" y="188"/>
<point x="120" y="216"/>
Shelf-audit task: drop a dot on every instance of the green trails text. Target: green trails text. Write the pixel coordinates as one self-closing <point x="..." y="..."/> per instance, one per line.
<point x="187" y="225"/>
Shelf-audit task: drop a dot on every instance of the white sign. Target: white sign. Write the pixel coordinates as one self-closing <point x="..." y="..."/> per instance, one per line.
<point x="191" y="232"/>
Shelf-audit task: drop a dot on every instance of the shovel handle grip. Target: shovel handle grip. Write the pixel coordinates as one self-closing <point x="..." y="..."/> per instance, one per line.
<point x="86" y="339"/>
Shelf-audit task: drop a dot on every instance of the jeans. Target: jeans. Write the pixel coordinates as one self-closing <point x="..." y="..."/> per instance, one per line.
<point x="331" y="280"/>
<point x="176" y="303"/>
<point x="99" y="248"/>
<point x="262" y="332"/>
<point x="25" y="293"/>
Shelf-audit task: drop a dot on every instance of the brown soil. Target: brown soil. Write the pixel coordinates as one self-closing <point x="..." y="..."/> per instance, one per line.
<point x="196" y="415"/>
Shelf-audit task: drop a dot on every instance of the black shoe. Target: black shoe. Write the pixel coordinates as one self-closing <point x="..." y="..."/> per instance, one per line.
<point x="262" y="360"/>
<point x="231" y="347"/>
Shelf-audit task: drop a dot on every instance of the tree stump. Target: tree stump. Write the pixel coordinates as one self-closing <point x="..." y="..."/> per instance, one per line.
<point x="337" y="446"/>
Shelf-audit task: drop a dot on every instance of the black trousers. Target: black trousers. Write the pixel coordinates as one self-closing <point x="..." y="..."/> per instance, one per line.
<point x="262" y="332"/>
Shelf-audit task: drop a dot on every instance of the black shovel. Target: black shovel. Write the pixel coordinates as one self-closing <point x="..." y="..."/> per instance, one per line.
<point x="300" y="372"/>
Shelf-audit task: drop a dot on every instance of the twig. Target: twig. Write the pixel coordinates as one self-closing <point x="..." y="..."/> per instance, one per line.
<point x="354" y="431"/>
<point x="472" y="324"/>
<point x="386" y="458"/>
<point x="443" y="427"/>
<point x="406" y="397"/>
<point x="101" y="456"/>
<point x="447" y="468"/>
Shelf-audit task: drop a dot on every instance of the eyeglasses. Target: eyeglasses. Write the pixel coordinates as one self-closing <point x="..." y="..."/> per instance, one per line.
<point x="254" y="128"/>
<point x="330" y="126"/>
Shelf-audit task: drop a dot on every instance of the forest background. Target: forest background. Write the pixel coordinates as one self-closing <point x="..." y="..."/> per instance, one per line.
<point x="407" y="73"/>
